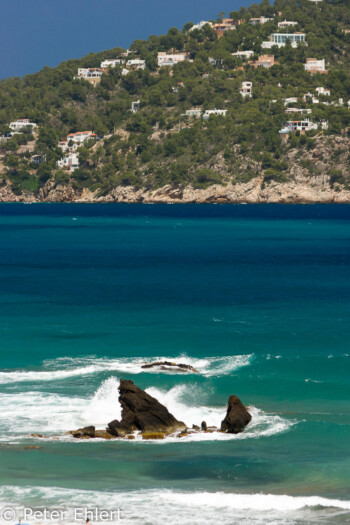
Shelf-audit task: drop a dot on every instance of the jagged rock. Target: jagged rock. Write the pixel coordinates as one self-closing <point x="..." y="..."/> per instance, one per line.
<point x="204" y="425"/>
<point x="117" y="429"/>
<point x="140" y="411"/>
<point x="237" y="416"/>
<point x="153" y="435"/>
<point x="83" y="433"/>
<point x="163" y="365"/>
<point x="195" y="427"/>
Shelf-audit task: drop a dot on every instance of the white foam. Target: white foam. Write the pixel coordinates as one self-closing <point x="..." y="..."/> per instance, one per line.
<point x="173" y="507"/>
<point x="52" y="414"/>
<point x="65" y="368"/>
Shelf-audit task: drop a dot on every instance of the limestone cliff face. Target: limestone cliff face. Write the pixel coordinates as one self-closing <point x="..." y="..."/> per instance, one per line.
<point x="300" y="190"/>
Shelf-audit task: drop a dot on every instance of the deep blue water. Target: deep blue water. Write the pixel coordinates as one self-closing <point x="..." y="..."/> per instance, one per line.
<point x="258" y="296"/>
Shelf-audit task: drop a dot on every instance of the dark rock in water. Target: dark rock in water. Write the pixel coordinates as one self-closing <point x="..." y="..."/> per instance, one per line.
<point x="204" y="425"/>
<point x="140" y="411"/>
<point x="37" y="435"/>
<point x="117" y="429"/>
<point x="86" y="432"/>
<point x="237" y="416"/>
<point x="153" y="435"/>
<point x="164" y="365"/>
<point x="103" y="434"/>
<point x="195" y="427"/>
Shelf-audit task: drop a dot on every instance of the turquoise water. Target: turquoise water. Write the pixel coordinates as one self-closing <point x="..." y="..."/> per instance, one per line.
<point x="255" y="297"/>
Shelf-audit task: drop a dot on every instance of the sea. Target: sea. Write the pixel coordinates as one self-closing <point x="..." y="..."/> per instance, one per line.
<point x="255" y="297"/>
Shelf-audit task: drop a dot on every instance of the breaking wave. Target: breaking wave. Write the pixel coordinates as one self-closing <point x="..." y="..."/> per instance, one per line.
<point x="46" y="413"/>
<point x="173" y="507"/>
<point x="64" y="368"/>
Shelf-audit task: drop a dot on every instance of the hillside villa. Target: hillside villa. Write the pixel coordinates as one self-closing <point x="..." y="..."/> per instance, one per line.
<point x="21" y="123"/>
<point x="69" y="162"/>
<point x="91" y="74"/>
<point x="287" y="23"/>
<point x="227" y="24"/>
<point x="266" y="61"/>
<point x="302" y="126"/>
<point x="280" y="40"/>
<point x="261" y="20"/>
<point x="243" y="54"/>
<point x="314" y="66"/>
<point x="200" y="25"/>
<point x="216" y="112"/>
<point x="171" y="59"/>
<point x="112" y="62"/>
<point x="246" y="89"/>
<point x="323" y="91"/>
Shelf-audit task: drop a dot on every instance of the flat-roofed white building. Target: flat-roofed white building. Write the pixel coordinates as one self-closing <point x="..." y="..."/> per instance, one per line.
<point x="243" y="54"/>
<point x="303" y="125"/>
<point x="323" y="91"/>
<point x="216" y="112"/>
<point x="287" y="23"/>
<point x="280" y="40"/>
<point x="315" y="66"/>
<point x="136" y="64"/>
<point x="21" y="123"/>
<point x="306" y="111"/>
<point x="135" y="106"/>
<point x="261" y="20"/>
<point x="69" y="162"/>
<point x="246" y="89"/>
<point x="80" y="137"/>
<point x="171" y="59"/>
<point x="290" y="100"/>
<point x="200" y="25"/>
<point x="112" y="62"/>
<point x="195" y="112"/>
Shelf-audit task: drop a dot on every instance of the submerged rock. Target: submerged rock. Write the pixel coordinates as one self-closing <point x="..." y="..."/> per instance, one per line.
<point x="140" y="411"/>
<point x="103" y="434"/>
<point x="237" y="416"/>
<point x="164" y="365"/>
<point x="153" y="435"/>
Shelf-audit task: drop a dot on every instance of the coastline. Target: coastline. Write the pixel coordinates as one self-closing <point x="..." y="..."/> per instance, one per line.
<point x="301" y="190"/>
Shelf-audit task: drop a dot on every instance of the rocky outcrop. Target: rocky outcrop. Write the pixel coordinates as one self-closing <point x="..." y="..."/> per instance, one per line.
<point x="168" y="365"/>
<point x="237" y="416"/>
<point x="86" y="432"/>
<point x="140" y="411"/>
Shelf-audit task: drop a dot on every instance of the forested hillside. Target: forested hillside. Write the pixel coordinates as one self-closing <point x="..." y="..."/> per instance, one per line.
<point x="159" y="144"/>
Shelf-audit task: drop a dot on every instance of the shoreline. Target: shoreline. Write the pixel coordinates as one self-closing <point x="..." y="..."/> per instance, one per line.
<point x="304" y="191"/>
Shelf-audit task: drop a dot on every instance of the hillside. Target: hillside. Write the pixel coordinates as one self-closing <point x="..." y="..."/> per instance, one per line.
<point x="280" y="130"/>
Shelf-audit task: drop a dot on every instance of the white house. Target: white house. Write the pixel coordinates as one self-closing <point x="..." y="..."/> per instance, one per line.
<point x="216" y="112"/>
<point x="261" y="20"/>
<point x="287" y="23"/>
<point x="90" y="72"/>
<point x="290" y="100"/>
<point x="193" y="113"/>
<point x="303" y="125"/>
<point x="69" y="162"/>
<point x="310" y="98"/>
<point x="302" y="111"/>
<point x="315" y="66"/>
<point x="136" y="64"/>
<point x="280" y="40"/>
<point x="21" y="123"/>
<point x="323" y="91"/>
<point x="80" y="137"/>
<point x="112" y="62"/>
<point x="200" y="25"/>
<point x="243" y="54"/>
<point x="246" y="89"/>
<point x="171" y="59"/>
<point x="135" y="106"/>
